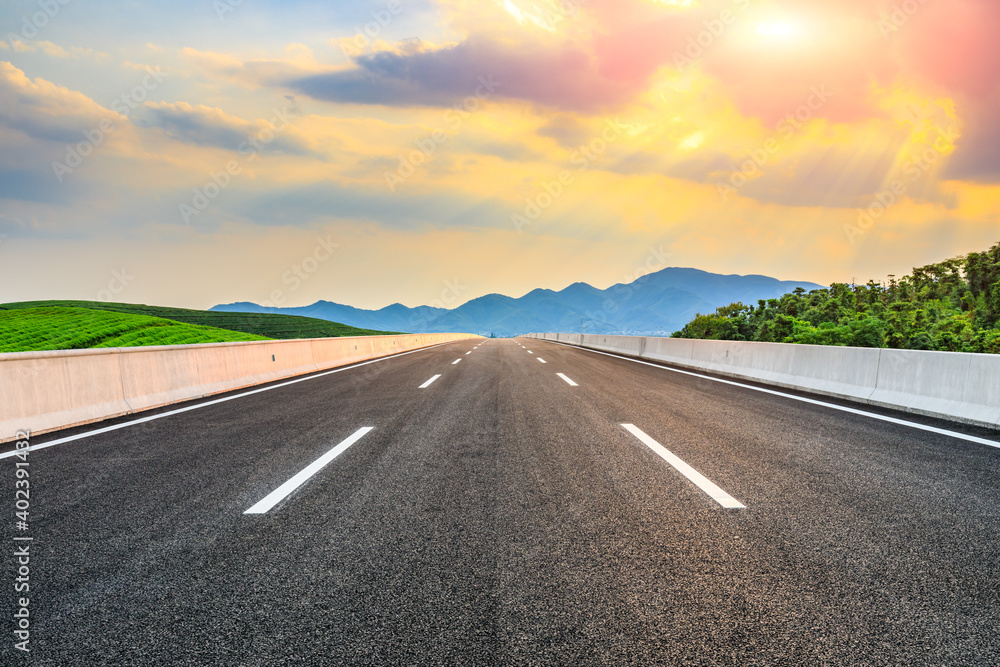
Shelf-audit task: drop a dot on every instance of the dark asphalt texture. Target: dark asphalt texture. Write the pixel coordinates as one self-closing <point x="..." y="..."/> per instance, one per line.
<point x="503" y="517"/>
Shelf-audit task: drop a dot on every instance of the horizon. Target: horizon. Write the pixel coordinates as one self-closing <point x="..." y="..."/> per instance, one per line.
<point x="447" y="307"/>
<point x="520" y="296"/>
<point x="529" y="143"/>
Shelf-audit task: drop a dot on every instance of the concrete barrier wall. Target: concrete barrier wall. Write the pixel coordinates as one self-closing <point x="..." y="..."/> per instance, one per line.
<point x="956" y="386"/>
<point x="834" y="371"/>
<point x="966" y="386"/>
<point x="46" y="391"/>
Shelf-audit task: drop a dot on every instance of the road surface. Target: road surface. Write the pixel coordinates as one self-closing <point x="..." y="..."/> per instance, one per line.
<point x="511" y="502"/>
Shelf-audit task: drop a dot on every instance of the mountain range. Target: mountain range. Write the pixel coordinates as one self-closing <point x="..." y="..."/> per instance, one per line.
<point x="655" y="304"/>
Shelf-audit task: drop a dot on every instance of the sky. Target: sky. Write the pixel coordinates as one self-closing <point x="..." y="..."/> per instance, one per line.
<point x="428" y="152"/>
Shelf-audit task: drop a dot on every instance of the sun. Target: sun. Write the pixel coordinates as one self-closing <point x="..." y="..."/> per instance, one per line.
<point x="777" y="30"/>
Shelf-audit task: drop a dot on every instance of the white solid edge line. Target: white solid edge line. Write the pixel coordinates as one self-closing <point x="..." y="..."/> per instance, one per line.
<point x="541" y="360"/>
<point x="279" y="494"/>
<point x="702" y="482"/>
<point x="429" y="382"/>
<point x="568" y="381"/>
<point x="142" y="420"/>
<point x="803" y="399"/>
<point x="455" y="362"/>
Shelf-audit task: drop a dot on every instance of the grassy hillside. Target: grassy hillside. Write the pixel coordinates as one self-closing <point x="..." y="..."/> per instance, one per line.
<point x="62" y="328"/>
<point x="258" y="324"/>
<point x="951" y="306"/>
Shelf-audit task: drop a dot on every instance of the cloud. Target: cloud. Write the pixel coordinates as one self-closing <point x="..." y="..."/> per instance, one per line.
<point x="43" y="110"/>
<point x="510" y="151"/>
<point x="567" y="131"/>
<point x="52" y="50"/>
<point x="828" y="177"/>
<point x="954" y="46"/>
<point x="976" y="156"/>
<point x="565" y="77"/>
<point x="328" y="200"/>
<point x="209" y="126"/>
<point x="254" y="73"/>
<point x="607" y="56"/>
<point x="33" y="184"/>
<point x="705" y="166"/>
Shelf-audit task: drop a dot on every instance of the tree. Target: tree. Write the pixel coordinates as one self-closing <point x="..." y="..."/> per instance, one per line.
<point x="952" y="305"/>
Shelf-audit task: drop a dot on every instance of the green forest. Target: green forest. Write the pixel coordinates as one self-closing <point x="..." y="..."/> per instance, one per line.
<point x="951" y="306"/>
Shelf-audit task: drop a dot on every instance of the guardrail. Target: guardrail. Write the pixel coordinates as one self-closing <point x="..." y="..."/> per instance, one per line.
<point x="47" y="391"/>
<point x="950" y="385"/>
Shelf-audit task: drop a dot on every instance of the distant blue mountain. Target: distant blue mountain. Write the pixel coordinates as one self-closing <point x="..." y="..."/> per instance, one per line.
<point x="655" y="304"/>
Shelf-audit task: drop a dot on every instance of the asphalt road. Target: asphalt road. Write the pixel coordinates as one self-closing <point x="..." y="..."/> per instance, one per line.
<point x="503" y="516"/>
